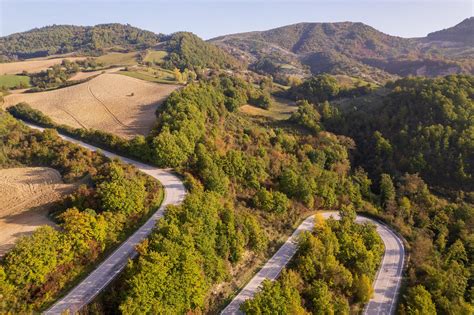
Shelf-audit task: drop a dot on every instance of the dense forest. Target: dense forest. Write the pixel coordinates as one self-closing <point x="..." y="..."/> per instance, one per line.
<point x="188" y="51"/>
<point x="420" y="126"/>
<point x="114" y="201"/>
<point x="60" y="39"/>
<point x="408" y="132"/>
<point x="251" y="179"/>
<point x="249" y="182"/>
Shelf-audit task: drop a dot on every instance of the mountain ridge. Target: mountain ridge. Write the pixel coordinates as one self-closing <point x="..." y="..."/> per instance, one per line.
<point x="352" y="48"/>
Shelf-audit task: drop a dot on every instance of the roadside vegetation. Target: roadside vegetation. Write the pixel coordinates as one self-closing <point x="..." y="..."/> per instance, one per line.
<point x="256" y="178"/>
<point x="93" y="219"/>
<point x="332" y="272"/>
<point x="420" y="130"/>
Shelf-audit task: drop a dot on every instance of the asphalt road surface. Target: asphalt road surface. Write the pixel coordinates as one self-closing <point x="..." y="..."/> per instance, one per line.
<point x="88" y="288"/>
<point x="386" y="285"/>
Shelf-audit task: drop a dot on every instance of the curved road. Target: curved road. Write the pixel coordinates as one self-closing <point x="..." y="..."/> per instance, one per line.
<point x="97" y="280"/>
<point x="386" y="285"/>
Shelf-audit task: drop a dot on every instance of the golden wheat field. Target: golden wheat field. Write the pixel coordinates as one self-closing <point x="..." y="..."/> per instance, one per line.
<point x="32" y="66"/>
<point x="110" y="102"/>
<point x="25" y="197"/>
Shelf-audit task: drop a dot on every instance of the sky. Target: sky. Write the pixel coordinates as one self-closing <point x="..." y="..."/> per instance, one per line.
<point x="211" y="18"/>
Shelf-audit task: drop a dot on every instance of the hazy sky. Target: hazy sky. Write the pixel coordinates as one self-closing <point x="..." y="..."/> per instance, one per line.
<point x="210" y="18"/>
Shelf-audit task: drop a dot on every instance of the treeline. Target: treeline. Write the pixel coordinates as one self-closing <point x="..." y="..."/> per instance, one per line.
<point x="91" y="220"/>
<point x="60" y="39"/>
<point x="331" y="273"/>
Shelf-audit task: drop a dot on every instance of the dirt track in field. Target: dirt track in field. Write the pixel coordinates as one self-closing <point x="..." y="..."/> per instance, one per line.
<point x="26" y="194"/>
<point x="32" y="66"/>
<point x="110" y="102"/>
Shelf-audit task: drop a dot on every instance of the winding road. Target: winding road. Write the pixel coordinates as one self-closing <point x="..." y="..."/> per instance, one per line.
<point x="97" y="280"/>
<point x="386" y="285"/>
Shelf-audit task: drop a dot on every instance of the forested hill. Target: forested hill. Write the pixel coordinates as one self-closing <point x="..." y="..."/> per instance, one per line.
<point x="420" y="126"/>
<point x="462" y="32"/>
<point x="58" y="39"/>
<point x="349" y="48"/>
<point x="185" y="50"/>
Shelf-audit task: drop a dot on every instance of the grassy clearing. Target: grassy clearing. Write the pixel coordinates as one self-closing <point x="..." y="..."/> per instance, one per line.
<point x="351" y="82"/>
<point x="281" y="109"/>
<point x="155" y="56"/>
<point x="118" y="59"/>
<point x="8" y="81"/>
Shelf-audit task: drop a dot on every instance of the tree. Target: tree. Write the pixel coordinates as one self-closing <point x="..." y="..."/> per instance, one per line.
<point x="307" y="116"/>
<point x="122" y="194"/>
<point x="387" y="191"/>
<point x="316" y="89"/>
<point x="321" y="298"/>
<point x="363" y="289"/>
<point x="418" y="301"/>
<point x="278" y="297"/>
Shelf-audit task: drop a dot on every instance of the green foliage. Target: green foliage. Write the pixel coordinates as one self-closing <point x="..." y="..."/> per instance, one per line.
<point x="91" y="220"/>
<point x="307" y="116"/>
<point x="279" y="297"/>
<point x="317" y="89"/>
<point x="418" y="301"/>
<point x="271" y="201"/>
<point x="119" y="193"/>
<point x="186" y="255"/>
<point x="188" y="51"/>
<point x="333" y="266"/>
<point x="387" y="191"/>
<point x="59" y="39"/>
<point x="421" y="126"/>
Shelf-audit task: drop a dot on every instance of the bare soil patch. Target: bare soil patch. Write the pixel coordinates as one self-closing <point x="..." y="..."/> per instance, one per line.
<point x="32" y="66"/>
<point x="110" y="102"/>
<point x="26" y="195"/>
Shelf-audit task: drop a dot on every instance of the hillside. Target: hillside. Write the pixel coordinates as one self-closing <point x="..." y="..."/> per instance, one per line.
<point x="60" y="39"/>
<point x="348" y="48"/>
<point x="456" y="42"/>
<point x="417" y="125"/>
<point x="462" y="32"/>
<point x="181" y="49"/>
<point x="187" y="50"/>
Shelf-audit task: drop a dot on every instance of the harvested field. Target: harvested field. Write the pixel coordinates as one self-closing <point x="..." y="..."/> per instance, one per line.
<point x="110" y="102"/>
<point x="26" y="195"/>
<point x="32" y="66"/>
